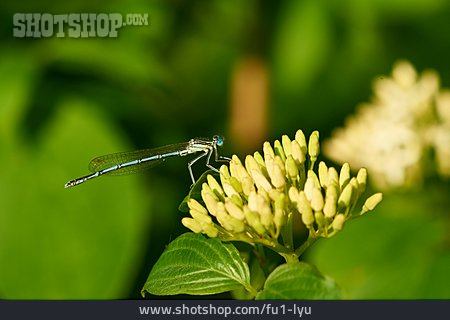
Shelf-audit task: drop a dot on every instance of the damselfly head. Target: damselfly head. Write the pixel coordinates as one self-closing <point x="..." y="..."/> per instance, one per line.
<point x="218" y="140"/>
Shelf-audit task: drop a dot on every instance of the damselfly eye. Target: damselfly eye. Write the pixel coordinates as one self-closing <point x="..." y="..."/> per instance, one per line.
<point x="219" y="140"/>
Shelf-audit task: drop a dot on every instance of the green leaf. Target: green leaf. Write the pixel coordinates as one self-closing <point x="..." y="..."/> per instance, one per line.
<point x="194" y="264"/>
<point x="257" y="277"/>
<point x="298" y="281"/>
<point x="196" y="190"/>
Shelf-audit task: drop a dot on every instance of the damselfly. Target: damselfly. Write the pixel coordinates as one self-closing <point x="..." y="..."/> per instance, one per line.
<point x="134" y="161"/>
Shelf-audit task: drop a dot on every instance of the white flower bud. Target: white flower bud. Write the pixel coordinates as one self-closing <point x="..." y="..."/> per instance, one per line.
<point x="329" y="208"/>
<point x="361" y="177"/>
<point x="229" y="190"/>
<point x="277" y="177"/>
<point x="191" y="224"/>
<point x="372" y="202"/>
<point x="279" y="150"/>
<point x="293" y="194"/>
<point x="333" y="176"/>
<point x="291" y="168"/>
<point x="313" y="145"/>
<point x="210" y="202"/>
<point x="305" y="209"/>
<point x="211" y="231"/>
<point x="251" y="164"/>
<point x="323" y="174"/>
<point x="200" y="217"/>
<point x="346" y="196"/>
<point x="234" y="210"/>
<point x="286" y="142"/>
<point x="309" y="186"/>
<point x="228" y="222"/>
<point x="195" y="205"/>
<point x="252" y="203"/>
<point x="338" y="222"/>
<point x="317" y="202"/>
<point x="224" y="174"/>
<point x="297" y="153"/>
<point x="253" y="220"/>
<point x="215" y="186"/>
<point x="259" y="159"/>
<point x="344" y="176"/>
<point x="301" y="140"/>
<point x="261" y="181"/>
<point x="268" y="151"/>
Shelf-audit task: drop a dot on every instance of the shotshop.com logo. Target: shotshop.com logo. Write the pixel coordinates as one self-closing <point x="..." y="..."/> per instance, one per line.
<point x="73" y="25"/>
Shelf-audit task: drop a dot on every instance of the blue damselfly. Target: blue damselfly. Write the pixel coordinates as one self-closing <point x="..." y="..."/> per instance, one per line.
<point x="134" y="161"/>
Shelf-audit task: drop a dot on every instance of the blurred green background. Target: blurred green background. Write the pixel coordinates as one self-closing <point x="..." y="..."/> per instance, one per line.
<point x="250" y="70"/>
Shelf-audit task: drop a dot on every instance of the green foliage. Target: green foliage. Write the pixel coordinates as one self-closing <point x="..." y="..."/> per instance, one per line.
<point x="194" y="264"/>
<point x="298" y="281"/>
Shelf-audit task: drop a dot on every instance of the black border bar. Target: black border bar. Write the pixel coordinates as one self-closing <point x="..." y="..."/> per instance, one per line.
<point x="224" y="309"/>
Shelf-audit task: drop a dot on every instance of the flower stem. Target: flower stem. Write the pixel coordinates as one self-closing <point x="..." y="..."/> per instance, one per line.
<point x="290" y="257"/>
<point x="311" y="239"/>
<point x="251" y="290"/>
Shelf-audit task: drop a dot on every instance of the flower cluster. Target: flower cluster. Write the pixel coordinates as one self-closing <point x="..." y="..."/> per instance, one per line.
<point x="390" y="136"/>
<point x="256" y="201"/>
